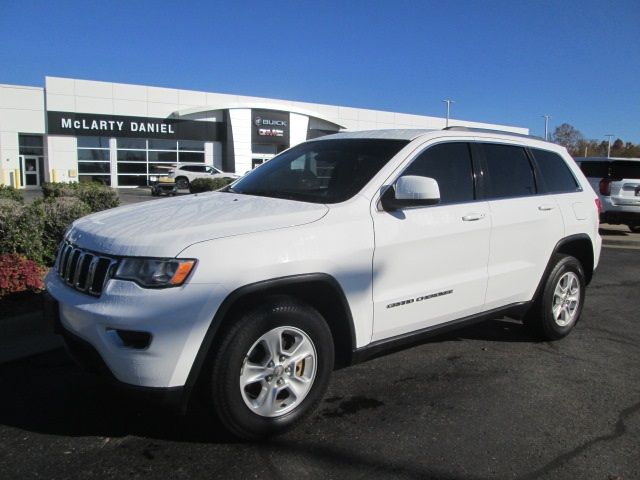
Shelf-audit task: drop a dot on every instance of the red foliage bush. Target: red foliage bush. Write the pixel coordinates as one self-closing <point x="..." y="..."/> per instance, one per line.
<point x="18" y="274"/>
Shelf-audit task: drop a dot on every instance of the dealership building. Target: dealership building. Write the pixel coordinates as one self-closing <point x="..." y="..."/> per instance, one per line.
<point x="120" y="134"/>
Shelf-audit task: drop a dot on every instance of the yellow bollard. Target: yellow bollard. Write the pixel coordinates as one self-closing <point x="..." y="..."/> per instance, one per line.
<point x="16" y="177"/>
<point x="54" y="177"/>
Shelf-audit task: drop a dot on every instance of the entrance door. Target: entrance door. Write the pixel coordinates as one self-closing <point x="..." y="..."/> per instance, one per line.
<point x="30" y="171"/>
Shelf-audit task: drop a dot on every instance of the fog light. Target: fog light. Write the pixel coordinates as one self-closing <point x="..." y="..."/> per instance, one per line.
<point x="130" y="338"/>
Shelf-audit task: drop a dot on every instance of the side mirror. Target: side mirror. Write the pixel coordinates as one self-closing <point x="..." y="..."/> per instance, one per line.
<point x="411" y="191"/>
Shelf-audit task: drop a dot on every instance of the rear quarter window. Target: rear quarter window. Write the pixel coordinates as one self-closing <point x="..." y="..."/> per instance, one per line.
<point x="556" y="175"/>
<point x="595" y="169"/>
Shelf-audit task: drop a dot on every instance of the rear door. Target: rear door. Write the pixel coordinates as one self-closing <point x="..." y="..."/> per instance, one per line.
<point x="526" y="224"/>
<point x="430" y="263"/>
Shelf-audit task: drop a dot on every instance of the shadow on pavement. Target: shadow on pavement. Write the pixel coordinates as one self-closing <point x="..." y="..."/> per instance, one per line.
<point x="49" y="394"/>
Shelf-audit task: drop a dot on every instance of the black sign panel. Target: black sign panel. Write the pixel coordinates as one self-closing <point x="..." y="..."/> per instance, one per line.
<point x="269" y="126"/>
<point x="87" y="124"/>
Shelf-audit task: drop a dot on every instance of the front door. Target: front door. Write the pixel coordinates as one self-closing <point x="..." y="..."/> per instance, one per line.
<point x="430" y="263"/>
<point x="30" y="171"/>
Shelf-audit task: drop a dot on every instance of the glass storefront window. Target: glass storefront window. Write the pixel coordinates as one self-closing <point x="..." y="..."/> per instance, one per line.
<point x="191" y="145"/>
<point x="132" y="156"/>
<point x="91" y="154"/>
<point x="93" y="142"/>
<point x="191" y="157"/>
<point x="132" y="143"/>
<point x="155" y="156"/>
<point x="124" y="167"/>
<point x="94" y="167"/>
<point x="161" y="144"/>
<point x="31" y="145"/>
<point x="104" y="179"/>
<point x="132" y="180"/>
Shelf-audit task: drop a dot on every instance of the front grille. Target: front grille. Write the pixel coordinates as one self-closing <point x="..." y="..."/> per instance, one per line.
<point x="83" y="270"/>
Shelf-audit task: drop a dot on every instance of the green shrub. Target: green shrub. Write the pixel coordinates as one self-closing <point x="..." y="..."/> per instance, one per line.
<point x="10" y="193"/>
<point x="21" y="230"/>
<point x="57" y="214"/>
<point x="208" y="184"/>
<point x="59" y="189"/>
<point x="96" y="195"/>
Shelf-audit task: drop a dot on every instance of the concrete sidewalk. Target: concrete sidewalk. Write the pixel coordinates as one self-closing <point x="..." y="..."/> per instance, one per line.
<point x="26" y="335"/>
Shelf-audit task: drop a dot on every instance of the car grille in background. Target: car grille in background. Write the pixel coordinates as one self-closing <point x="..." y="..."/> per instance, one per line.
<point x="84" y="271"/>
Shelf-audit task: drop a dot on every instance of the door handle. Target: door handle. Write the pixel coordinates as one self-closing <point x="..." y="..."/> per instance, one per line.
<point x="545" y="208"/>
<point x="472" y="217"/>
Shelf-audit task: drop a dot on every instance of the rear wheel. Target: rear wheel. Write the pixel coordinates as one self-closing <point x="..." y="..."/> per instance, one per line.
<point x="271" y="368"/>
<point x="559" y="305"/>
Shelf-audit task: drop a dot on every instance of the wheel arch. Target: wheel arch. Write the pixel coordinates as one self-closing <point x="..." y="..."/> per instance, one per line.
<point x="578" y="246"/>
<point x="319" y="290"/>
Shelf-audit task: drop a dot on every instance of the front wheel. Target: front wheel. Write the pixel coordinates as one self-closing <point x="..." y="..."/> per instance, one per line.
<point x="182" y="183"/>
<point x="558" y="306"/>
<point x="271" y="368"/>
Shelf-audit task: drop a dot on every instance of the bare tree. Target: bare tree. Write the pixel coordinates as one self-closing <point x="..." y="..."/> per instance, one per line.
<point x="569" y="137"/>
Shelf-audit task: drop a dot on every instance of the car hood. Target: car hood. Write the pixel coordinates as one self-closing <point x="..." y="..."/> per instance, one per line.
<point x="163" y="228"/>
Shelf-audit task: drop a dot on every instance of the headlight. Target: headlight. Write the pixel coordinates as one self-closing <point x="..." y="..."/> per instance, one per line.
<point x="155" y="273"/>
<point x="153" y="178"/>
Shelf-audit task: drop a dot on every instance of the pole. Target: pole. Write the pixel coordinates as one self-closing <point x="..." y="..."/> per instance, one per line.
<point x="546" y="126"/>
<point x="609" y="146"/>
<point x="448" y="102"/>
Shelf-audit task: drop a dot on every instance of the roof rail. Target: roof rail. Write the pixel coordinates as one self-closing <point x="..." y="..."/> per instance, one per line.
<point x="460" y="128"/>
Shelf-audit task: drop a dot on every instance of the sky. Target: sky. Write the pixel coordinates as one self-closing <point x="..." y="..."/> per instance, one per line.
<point x="507" y="62"/>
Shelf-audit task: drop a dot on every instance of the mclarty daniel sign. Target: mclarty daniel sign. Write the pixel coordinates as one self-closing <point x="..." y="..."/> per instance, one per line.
<point x="86" y="124"/>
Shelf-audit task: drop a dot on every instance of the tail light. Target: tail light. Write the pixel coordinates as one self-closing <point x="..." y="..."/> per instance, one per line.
<point x="605" y="187"/>
<point x="599" y="205"/>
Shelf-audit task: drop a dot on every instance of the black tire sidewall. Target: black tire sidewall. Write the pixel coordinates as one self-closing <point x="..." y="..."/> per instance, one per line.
<point x="563" y="265"/>
<point x="225" y="389"/>
<point x="180" y="181"/>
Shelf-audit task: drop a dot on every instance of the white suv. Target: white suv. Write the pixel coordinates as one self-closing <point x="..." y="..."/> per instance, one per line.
<point x="335" y="251"/>
<point x="617" y="181"/>
<point x="185" y="173"/>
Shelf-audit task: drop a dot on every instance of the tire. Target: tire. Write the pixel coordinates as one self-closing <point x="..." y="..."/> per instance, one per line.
<point x="182" y="183"/>
<point x="634" y="227"/>
<point x="241" y="402"/>
<point x="558" y="306"/>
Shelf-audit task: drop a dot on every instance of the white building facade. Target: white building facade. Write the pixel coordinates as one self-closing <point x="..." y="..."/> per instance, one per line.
<point x="120" y="134"/>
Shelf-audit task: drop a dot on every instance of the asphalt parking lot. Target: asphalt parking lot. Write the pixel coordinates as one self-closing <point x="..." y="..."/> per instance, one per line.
<point x="487" y="402"/>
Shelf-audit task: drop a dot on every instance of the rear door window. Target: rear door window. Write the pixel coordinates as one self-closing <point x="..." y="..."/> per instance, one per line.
<point x="450" y="165"/>
<point x="555" y="173"/>
<point x="508" y="171"/>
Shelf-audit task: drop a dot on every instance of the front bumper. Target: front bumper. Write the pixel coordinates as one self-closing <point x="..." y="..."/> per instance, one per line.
<point x="177" y="320"/>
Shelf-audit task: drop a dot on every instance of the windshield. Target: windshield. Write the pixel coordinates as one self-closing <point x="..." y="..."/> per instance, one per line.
<point x="324" y="171"/>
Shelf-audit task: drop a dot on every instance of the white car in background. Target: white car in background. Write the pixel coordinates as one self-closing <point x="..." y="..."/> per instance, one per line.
<point x="185" y="173"/>
<point x="617" y="182"/>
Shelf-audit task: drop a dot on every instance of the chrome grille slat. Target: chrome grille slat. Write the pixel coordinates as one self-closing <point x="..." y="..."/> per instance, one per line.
<point x="83" y="270"/>
<point x="78" y="269"/>
<point x="91" y="274"/>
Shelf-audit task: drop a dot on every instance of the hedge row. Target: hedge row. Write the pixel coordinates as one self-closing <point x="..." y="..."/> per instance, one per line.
<point x="199" y="185"/>
<point x="96" y="195"/>
<point x="33" y="232"/>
